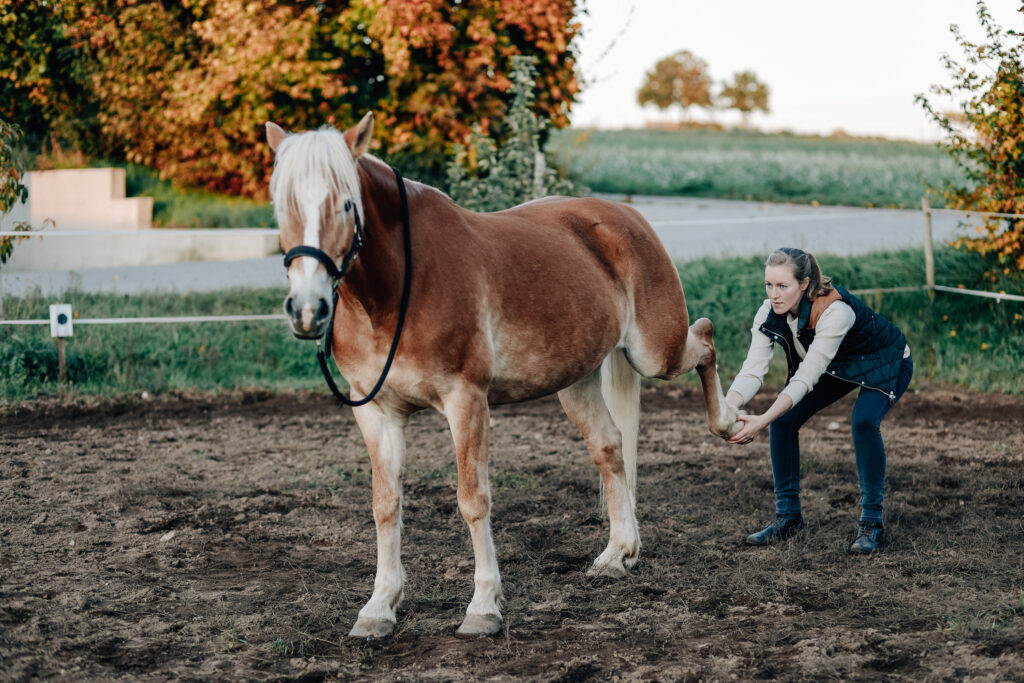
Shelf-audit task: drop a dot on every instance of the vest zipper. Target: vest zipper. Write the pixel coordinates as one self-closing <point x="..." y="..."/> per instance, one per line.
<point x="788" y="350"/>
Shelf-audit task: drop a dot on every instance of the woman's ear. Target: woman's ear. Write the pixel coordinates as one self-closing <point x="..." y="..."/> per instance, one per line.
<point x="804" y="284"/>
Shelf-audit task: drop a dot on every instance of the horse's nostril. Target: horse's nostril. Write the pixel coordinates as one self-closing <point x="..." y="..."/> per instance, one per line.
<point x="321" y="312"/>
<point x="288" y="307"/>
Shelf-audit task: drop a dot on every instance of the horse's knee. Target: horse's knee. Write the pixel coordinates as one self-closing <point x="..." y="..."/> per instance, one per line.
<point x="386" y="509"/>
<point x="474" y="505"/>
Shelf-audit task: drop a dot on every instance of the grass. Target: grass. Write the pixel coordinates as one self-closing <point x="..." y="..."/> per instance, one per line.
<point x="977" y="343"/>
<point x="123" y="359"/>
<point x="174" y="207"/>
<point x="754" y="166"/>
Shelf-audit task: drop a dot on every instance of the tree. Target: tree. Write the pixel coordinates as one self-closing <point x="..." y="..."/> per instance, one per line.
<point x="507" y="168"/>
<point x="185" y="86"/>
<point x="744" y="93"/>
<point x="41" y="86"/>
<point x="986" y="137"/>
<point x="12" y="190"/>
<point x="678" y="80"/>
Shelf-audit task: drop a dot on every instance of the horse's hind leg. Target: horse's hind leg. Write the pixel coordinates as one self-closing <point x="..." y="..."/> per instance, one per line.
<point x="585" y="405"/>
<point x="469" y="418"/>
<point x="384" y="434"/>
<point x="700" y="353"/>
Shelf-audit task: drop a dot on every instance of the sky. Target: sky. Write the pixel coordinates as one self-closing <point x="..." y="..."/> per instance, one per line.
<point x="829" y="65"/>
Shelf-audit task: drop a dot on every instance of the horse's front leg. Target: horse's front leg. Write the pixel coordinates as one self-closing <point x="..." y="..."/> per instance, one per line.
<point x="384" y="434"/>
<point x="469" y="416"/>
<point x="700" y="353"/>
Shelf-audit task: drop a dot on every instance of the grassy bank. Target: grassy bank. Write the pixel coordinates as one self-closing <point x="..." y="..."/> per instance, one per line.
<point x="974" y="342"/>
<point x="753" y="166"/>
<point x="175" y="207"/>
<point x="113" y="360"/>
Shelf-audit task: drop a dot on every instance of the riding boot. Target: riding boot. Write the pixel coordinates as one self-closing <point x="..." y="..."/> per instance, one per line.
<point x="782" y="528"/>
<point x="869" y="538"/>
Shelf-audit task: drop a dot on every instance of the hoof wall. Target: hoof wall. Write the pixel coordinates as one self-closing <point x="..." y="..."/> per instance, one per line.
<point x="477" y="625"/>
<point x="610" y="571"/>
<point x="372" y="628"/>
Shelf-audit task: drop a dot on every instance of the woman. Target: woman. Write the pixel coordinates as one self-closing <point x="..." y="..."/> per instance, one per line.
<point x="834" y="344"/>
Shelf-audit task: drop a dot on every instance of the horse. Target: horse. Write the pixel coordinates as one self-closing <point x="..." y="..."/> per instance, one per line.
<point x="574" y="296"/>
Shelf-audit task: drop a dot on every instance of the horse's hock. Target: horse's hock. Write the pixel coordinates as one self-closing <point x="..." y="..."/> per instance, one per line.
<point x="93" y="201"/>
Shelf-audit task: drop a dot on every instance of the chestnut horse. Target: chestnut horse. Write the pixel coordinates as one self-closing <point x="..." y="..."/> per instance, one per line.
<point x="574" y="296"/>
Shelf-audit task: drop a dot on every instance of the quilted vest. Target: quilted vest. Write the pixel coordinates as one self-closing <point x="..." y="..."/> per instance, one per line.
<point x="870" y="355"/>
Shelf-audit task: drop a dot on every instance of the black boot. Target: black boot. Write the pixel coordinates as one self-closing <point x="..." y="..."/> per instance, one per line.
<point x="869" y="538"/>
<point x="781" y="529"/>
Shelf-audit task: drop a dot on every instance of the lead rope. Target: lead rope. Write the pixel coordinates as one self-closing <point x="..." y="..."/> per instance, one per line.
<point x="324" y="350"/>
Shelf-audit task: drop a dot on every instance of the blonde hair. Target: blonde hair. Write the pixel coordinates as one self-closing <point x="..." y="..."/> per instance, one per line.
<point x="804" y="265"/>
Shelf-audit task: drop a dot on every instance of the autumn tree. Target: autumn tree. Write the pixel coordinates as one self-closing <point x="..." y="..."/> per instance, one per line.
<point x="988" y="141"/>
<point x="185" y="86"/>
<point x="41" y="79"/>
<point x="508" y="167"/>
<point x="745" y="93"/>
<point x="678" y="80"/>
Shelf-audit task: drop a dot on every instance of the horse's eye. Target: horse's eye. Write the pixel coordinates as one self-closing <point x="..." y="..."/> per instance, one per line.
<point x="348" y="205"/>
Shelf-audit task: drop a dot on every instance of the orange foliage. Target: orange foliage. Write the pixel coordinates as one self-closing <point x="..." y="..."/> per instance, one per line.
<point x="185" y="87"/>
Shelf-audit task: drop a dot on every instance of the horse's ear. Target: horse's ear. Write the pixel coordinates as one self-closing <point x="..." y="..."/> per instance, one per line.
<point x="275" y="135"/>
<point x="358" y="137"/>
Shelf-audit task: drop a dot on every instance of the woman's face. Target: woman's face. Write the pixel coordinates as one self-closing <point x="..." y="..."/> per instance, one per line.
<point x="783" y="289"/>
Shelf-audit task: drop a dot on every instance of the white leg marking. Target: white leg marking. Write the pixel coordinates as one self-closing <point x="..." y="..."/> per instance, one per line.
<point x="385" y="438"/>
<point x="469" y="418"/>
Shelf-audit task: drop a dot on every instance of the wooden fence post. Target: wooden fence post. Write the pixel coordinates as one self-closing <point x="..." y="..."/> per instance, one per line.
<point x="929" y="250"/>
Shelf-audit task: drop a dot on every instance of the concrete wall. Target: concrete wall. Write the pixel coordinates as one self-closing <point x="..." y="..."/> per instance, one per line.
<point x="87" y="199"/>
<point x="92" y="200"/>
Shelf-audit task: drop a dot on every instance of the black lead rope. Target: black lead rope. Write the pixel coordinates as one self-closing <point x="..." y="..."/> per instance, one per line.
<point x="323" y="351"/>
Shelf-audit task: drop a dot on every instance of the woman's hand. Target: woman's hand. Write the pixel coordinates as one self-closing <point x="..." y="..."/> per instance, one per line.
<point x="752" y="426"/>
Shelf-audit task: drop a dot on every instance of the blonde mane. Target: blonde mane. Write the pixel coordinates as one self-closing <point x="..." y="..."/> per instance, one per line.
<point x="319" y="160"/>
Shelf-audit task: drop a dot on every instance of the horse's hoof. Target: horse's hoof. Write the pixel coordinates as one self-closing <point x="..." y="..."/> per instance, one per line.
<point x="611" y="571"/>
<point x="476" y="625"/>
<point x="372" y="628"/>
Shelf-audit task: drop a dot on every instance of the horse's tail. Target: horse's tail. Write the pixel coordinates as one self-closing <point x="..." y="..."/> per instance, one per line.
<point x="620" y="387"/>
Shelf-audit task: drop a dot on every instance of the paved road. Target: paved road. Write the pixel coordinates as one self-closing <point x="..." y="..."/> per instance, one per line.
<point x="690" y="229"/>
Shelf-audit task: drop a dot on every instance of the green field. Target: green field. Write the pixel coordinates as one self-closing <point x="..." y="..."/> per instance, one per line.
<point x="753" y="166"/>
<point x="697" y="163"/>
<point x="978" y="343"/>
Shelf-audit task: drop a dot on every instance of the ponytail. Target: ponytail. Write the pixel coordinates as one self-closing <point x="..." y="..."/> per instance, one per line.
<point x="804" y="265"/>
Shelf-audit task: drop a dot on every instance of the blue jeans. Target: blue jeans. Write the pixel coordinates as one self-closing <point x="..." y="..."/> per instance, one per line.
<point x="868" y="411"/>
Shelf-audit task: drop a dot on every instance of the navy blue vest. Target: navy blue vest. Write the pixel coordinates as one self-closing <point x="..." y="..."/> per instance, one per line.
<point x="871" y="353"/>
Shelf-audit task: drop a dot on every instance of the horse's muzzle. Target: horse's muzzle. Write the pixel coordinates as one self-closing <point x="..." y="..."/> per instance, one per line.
<point x="308" y="319"/>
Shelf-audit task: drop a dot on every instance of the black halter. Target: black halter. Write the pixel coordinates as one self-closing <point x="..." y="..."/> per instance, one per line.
<point x="336" y="273"/>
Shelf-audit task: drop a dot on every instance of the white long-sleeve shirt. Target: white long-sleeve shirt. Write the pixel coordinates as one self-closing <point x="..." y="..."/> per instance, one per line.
<point x="834" y="323"/>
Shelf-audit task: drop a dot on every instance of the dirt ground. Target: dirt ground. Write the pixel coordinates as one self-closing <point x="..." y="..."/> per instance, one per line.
<point x="230" y="537"/>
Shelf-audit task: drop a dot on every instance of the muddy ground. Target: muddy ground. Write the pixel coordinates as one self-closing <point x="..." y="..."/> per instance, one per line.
<point x="230" y="537"/>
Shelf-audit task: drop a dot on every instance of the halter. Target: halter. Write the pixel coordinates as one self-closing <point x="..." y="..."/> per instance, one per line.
<point x="335" y="273"/>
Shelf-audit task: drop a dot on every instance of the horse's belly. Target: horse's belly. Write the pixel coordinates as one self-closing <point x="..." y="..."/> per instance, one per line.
<point x="530" y="365"/>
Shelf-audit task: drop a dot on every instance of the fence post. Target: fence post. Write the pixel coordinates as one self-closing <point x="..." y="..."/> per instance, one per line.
<point x="929" y="251"/>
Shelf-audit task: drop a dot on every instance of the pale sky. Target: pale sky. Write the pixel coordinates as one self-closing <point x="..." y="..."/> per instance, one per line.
<point x="830" y="65"/>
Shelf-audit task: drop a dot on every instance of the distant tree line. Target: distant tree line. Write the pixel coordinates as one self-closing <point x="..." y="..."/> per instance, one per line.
<point x="185" y="86"/>
<point x="682" y="80"/>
